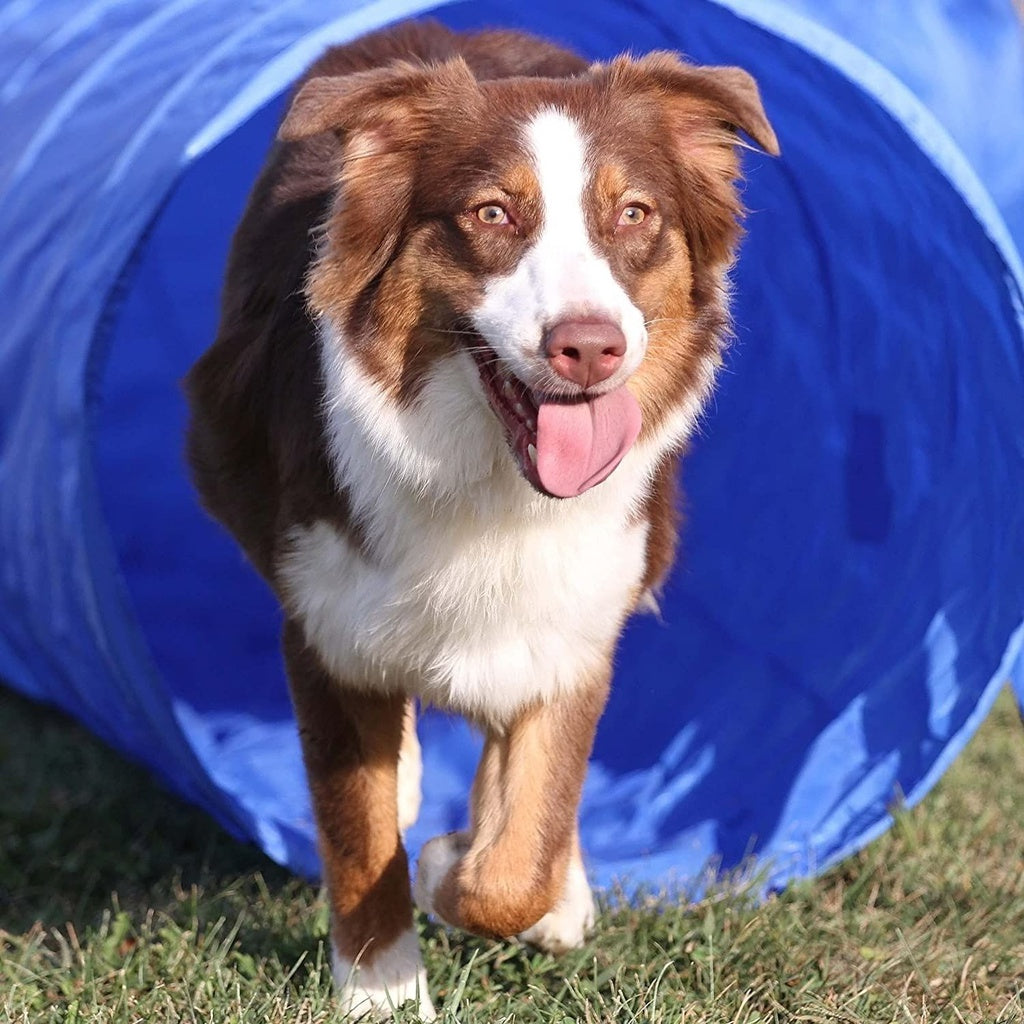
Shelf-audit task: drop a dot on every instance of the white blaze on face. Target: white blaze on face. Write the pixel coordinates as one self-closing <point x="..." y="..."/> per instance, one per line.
<point x="561" y="277"/>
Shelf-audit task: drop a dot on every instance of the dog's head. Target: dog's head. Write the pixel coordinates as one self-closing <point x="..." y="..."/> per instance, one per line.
<point x="567" y="240"/>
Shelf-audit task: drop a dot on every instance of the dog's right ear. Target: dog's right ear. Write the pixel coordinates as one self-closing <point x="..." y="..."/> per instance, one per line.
<point x="381" y="117"/>
<point x="400" y="94"/>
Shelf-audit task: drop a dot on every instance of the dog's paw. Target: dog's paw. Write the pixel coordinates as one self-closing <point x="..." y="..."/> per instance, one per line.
<point x="371" y="991"/>
<point x="568" y="923"/>
<point x="436" y="859"/>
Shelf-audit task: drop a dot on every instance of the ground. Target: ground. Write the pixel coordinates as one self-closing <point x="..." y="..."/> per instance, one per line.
<point x="120" y="904"/>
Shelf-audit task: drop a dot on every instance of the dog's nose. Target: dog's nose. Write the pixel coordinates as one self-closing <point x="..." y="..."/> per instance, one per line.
<point x="585" y="351"/>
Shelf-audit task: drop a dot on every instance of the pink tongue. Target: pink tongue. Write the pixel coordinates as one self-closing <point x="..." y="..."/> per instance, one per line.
<point x="580" y="443"/>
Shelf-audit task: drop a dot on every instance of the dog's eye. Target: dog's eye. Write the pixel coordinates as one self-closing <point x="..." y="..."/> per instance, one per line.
<point x="631" y="216"/>
<point x="494" y="214"/>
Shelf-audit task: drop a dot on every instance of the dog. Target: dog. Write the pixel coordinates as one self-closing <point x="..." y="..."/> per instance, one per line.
<point x="472" y="313"/>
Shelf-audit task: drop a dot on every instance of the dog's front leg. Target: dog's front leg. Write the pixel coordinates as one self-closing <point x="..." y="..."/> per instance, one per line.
<point x="519" y="863"/>
<point x="566" y="925"/>
<point x="350" y="743"/>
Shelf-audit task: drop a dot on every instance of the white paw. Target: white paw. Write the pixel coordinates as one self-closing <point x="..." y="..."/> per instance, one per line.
<point x="410" y="780"/>
<point x="568" y="923"/>
<point x="371" y="991"/>
<point x="436" y="859"/>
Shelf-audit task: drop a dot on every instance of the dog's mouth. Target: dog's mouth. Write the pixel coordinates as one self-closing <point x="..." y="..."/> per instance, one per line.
<point x="563" y="446"/>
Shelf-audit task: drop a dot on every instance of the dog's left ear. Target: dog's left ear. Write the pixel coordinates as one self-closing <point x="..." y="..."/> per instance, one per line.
<point x="727" y="94"/>
<point x="735" y="94"/>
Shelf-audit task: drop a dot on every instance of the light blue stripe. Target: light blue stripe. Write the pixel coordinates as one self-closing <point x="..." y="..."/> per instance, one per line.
<point x="17" y="11"/>
<point x="195" y="74"/>
<point x="51" y="45"/>
<point x="919" y="122"/>
<point x="284" y="69"/>
<point x="94" y="76"/>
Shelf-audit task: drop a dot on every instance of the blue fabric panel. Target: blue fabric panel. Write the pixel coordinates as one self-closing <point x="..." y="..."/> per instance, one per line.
<point x="850" y="592"/>
<point x="100" y="105"/>
<point x="964" y="59"/>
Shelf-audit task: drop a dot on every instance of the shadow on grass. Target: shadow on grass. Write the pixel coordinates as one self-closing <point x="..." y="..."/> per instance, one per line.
<point x="84" y="833"/>
<point x="78" y="823"/>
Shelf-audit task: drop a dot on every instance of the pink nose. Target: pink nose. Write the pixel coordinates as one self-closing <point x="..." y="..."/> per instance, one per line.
<point x="585" y="351"/>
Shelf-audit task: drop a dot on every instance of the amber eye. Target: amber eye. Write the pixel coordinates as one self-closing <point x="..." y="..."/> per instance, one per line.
<point x="493" y="214"/>
<point x="631" y="216"/>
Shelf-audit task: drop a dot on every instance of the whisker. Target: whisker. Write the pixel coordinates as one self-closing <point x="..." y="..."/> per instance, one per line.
<point x="666" y="320"/>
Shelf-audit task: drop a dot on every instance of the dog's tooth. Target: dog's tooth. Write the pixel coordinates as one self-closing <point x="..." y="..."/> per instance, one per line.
<point x="520" y="411"/>
<point x="531" y="450"/>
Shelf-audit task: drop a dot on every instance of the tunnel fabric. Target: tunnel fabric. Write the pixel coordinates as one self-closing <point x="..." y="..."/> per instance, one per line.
<point x="850" y="591"/>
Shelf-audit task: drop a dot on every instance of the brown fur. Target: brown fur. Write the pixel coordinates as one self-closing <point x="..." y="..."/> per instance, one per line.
<point x="350" y="745"/>
<point x="354" y="218"/>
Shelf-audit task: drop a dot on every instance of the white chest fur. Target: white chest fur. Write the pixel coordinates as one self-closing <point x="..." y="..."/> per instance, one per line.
<point x="478" y="617"/>
<point x="478" y="594"/>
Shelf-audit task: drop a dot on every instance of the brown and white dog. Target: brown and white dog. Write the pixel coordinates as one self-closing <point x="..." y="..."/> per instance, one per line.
<point x="472" y="312"/>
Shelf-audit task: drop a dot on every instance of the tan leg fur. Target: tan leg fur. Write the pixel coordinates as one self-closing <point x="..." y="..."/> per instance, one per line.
<point x="513" y="866"/>
<point x="410" y="771"/>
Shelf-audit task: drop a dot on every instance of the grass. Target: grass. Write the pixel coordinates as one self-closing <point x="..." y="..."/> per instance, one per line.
<point x="120" y="904"/>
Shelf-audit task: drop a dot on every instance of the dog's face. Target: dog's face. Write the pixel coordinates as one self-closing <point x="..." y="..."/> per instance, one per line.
<point x="567" y="239"/>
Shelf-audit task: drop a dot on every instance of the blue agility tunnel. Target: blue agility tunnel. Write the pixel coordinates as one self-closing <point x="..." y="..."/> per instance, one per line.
<point x="850" y="593"/>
